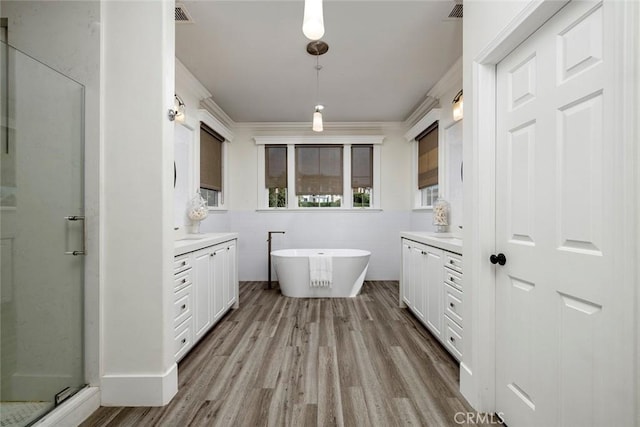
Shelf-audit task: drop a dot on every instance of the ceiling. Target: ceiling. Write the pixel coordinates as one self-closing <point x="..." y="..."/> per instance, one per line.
<point x="383" y="57"/>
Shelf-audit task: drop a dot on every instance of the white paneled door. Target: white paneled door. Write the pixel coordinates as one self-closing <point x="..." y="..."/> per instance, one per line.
<point x="555" y="296"/>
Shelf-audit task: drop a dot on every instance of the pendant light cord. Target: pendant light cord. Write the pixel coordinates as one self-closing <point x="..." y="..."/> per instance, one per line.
<point x="317" y="80"/>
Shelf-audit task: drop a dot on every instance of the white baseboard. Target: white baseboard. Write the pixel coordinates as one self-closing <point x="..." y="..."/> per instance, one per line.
<point x="468" y="386"/>
<point x="74" y="411"/>
<point x="139" y="390"/>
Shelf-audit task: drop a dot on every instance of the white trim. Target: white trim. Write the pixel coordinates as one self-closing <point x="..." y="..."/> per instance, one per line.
<point x="73" y="411"/>
<point x="320" y="139"/>
<point x="215" y="124"/>
<point x="351" y="210"/>
<point x="140" y="390"/>
<point x="184" y="76"/>
<point x="430" y="118"/>
<point x="477" y="373"/>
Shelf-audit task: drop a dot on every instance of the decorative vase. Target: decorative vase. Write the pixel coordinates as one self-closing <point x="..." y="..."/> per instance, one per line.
<point x="441" y="215"/>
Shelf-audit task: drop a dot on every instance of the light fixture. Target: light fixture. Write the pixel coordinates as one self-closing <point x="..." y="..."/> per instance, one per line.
<point x="317" y="119"/>
<point x="457" y="107"/>
<point x="313" y="20"/>
<point x="317" y="48"/>
<point x="177" y="112"/>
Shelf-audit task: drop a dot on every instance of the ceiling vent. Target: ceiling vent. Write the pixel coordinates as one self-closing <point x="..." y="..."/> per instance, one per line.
<point x="182" y="15"/>
<point x="456" y="12"/>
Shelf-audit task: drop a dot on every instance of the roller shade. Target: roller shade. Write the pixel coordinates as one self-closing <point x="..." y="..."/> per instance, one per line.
<point x="319" y="170"/>
<point x="428" y="157"/>
<point x="210" y="158"/>
<point x="275" y="166"/>
<point x="361" y="166"/>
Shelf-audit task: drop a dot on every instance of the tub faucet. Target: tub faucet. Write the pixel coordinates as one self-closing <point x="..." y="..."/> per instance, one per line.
<point x="269" y="253"/>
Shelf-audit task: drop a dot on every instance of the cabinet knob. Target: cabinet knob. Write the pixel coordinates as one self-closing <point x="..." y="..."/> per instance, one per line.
<point x="184" y="340"/>
<point x="450" y="261"/>
<point x="184" y="280"/>
<point x="453" y="279"/>
<point x="184" y="263"/>
<point x="452" y="339"/>
<point x="451" y="305"/>
<point x="183" y="306"/>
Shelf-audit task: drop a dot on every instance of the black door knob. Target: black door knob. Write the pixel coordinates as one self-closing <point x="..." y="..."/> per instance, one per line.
<point x="498" y="259"/>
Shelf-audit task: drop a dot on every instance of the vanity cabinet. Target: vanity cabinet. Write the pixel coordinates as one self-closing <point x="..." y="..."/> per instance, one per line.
<point x="211" y="276"/>
<point x="422" y="283"/>
<point x="431" y="287"/>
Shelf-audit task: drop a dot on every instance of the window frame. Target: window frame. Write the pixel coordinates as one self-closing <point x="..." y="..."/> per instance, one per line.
<point x="429" y="119"/>
<point x="346" y="142"/>
<point x="208" y="119"/>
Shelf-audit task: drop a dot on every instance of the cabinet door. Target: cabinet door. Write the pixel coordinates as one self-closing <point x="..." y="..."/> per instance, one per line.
<point x="418" y="259"/>
<point x="407" y="274"/>
<point x="218" y="273"/>
<point x="202" y="291"/>
<point x="231" y="285"/>
<point x="432" y="273"/>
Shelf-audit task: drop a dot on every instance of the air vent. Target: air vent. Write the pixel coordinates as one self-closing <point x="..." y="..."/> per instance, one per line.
<point x="456" y="12"/>
<point x="182" y="15"/>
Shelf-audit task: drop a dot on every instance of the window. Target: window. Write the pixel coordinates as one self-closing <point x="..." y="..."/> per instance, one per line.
<point x="319" y="181"/>
<point x="307" y="172"/>
<point x="428" y="165"/>
<point x="211" y="165"/>
<point x="275" y="178"/>
<point x="362" y="175"/>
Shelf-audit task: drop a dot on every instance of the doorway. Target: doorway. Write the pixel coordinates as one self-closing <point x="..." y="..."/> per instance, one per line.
<point x="42" y="238"/>
<point x="561" y="342"/>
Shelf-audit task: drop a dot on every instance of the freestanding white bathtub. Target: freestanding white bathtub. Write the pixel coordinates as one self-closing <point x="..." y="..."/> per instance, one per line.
<point x="292" y="268"/>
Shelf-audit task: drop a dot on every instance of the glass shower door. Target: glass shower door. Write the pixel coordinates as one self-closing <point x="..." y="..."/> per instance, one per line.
<point x="42" y="238"/>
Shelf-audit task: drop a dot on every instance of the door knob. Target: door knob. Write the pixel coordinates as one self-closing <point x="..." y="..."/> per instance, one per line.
<point x="498" y="259"/>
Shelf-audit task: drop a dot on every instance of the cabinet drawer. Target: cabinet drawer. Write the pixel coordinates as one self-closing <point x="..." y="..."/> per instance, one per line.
<point x="183" y="338"/>
<point x="453" y="338"/>
<point x="453" y="303"/>
<point x="453" y="278"/>
<point x="453" y="261"/>
<point x="182" y="305"/>
<point x="182" y="279"/>
<point x="181" y="263"/>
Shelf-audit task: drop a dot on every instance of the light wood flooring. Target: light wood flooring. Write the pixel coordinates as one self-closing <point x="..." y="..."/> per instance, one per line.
<point x="281" y="361"/>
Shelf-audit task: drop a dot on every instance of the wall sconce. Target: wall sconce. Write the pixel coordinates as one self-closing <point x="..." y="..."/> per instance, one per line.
<point x="457" y="107"/>
<point x="177" y="112"/>
<point x="313" y="20"/>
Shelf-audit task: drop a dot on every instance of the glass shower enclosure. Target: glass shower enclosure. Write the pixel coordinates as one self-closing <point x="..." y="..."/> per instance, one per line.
<point x="42" y="238"/>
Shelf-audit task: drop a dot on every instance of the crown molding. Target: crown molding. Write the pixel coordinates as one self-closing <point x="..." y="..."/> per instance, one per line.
<point x="214" y="109"/>
<point x="191" y="83"/>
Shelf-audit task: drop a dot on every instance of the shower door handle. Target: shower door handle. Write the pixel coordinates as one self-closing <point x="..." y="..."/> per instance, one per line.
<point x="84" y="234"/>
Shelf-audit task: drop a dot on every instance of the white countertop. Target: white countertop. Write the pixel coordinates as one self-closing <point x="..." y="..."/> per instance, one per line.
<point x="444" y="241"/>
<point x="193" y="242"/>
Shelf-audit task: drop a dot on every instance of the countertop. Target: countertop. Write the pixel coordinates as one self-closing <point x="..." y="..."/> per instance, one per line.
<point x="444" y="241"/>
<point x="193" y="242"/>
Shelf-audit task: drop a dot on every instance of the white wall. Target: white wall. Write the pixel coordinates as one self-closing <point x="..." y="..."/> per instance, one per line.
<point x="137" y="299"/>
<point x="377" y="231"/>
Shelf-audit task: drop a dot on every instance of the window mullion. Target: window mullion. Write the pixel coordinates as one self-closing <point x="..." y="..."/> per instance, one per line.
<point x="292" y="199"/>
<point x="347" y="193"/>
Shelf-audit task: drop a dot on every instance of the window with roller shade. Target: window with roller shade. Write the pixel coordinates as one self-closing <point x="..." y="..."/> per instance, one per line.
<point x="428" y="165"/>
<point x="210" y="165"/>
<point x="319" y="178"/>
<point x="362" y="175"/>
<point x="275" y="178"/>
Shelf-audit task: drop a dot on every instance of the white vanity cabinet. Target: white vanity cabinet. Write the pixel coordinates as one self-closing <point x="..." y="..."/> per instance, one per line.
<point x="211" y="274"/>
<point x="422" y="283"/>
<point x="431" y="286"/>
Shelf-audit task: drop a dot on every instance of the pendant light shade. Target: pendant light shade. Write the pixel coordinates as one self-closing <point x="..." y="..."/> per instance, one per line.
<point x="317" y="119"/>
<point x="313" y="20"/>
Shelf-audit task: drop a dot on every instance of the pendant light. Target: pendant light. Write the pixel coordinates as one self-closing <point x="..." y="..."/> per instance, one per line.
<point x="313" y="20"/>
<point x="317" y="48"/>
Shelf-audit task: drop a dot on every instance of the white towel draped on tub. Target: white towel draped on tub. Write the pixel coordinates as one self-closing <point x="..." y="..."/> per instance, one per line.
<point x="320" y="271"/>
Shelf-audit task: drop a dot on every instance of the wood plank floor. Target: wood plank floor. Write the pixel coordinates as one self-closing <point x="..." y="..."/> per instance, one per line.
<point x="280" y="361"/>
